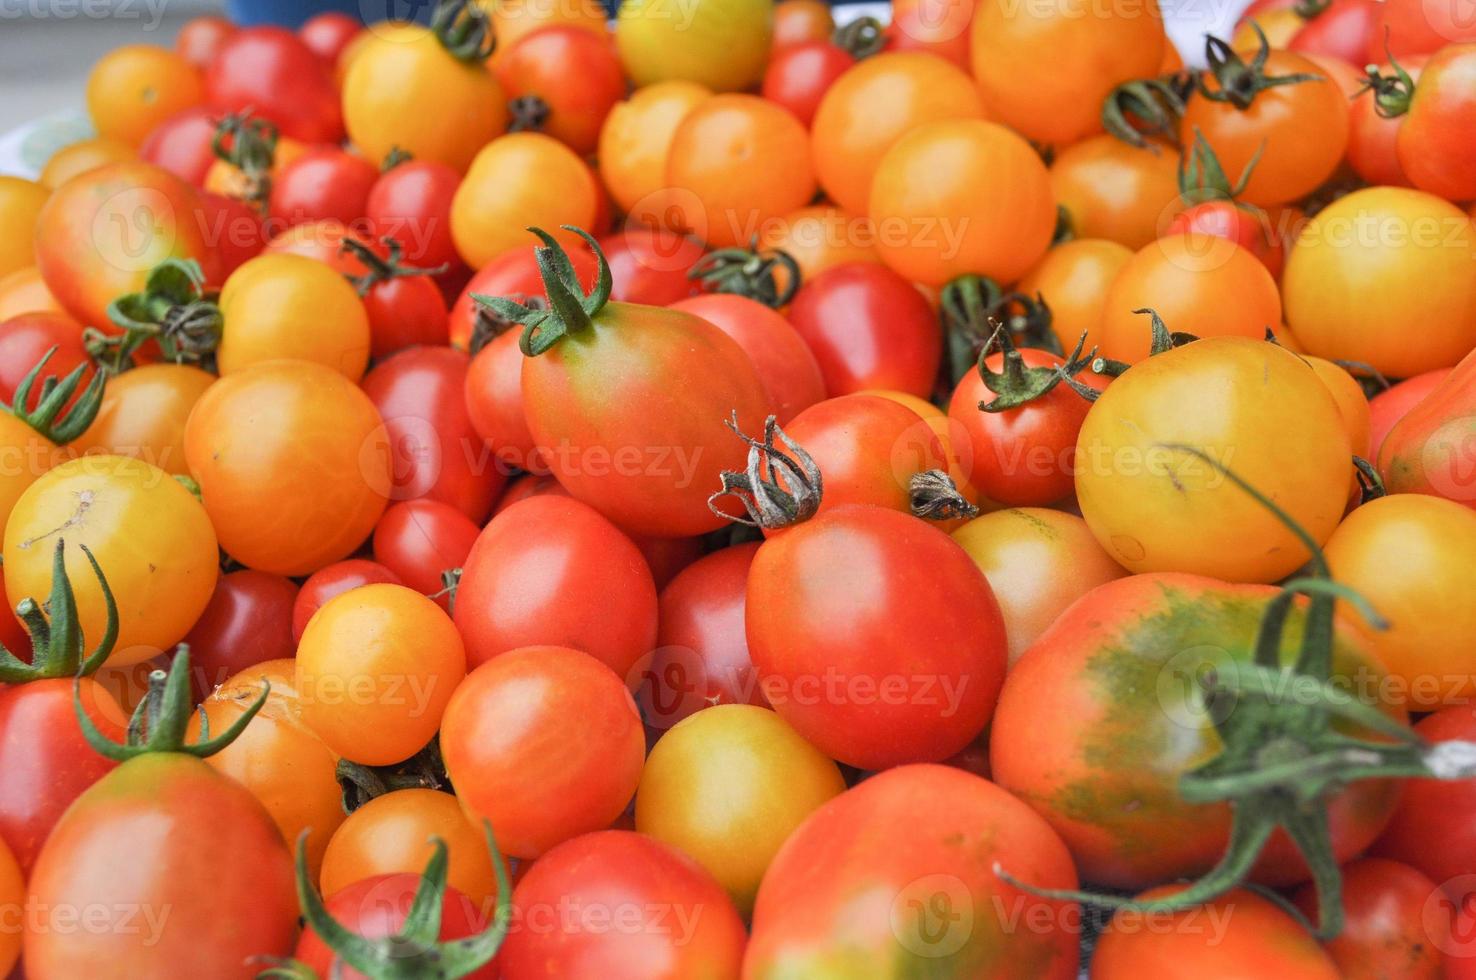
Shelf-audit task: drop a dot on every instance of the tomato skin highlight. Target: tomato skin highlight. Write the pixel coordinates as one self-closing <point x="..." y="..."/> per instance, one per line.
<point x="848" y="893"/>
<point x="1123" y="730"/>
<point x="874" y="601"/>
<point x="1394" y="924"/>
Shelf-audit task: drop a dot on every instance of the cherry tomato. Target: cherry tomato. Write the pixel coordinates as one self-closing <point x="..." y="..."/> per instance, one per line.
<point x="1390" y="928"/>
<point x="288" y="306"/>
<point x="1415" y="27"/>
<point x="1379" y="256"/>
<point x="134" y="88"/>
<point x="836" y="607"/>
<point x="513" y="274"/>
<point x="546" y="743"/>
<point x="622" y="870"/>
<point x="1387" y="408"/>
<point x="392" y="833"/>
<point x="1045" y="71"/>
<point x="78" y="158"/>
<point x="799" y="75"/>
<point x="513" y="19"/>
<point x="868" y="328"/>
<point x="411" y="203"/>
<point x="723" y="46"/>
<point x="271" y="72"/>
<point x="1430" y="830"/>
<point x="24" y="291"/>
<point x="323" y="241"/>
<point x="797" y="21"/>
<point x="200" y="39"/>
<point x="25" y="339"/>
<point x="258" y="437"/>
<point x="574" y="76"/>
<point x="278" y="758"/>
<point x="533" y="577"/>
<point x="786" y="367"/>
<point x="21" y="202"/>
<point x="420" y="539"/>
<point x="819" y="238"/>
<point x="1435" y="145"/>
<point x="248" y="621"/>
<point x="1253" y="231"/>
<point x="1073" y="279"/>
<point x="375" y="669"/>
<point x="882" y="874"/>
<point x="636" y="138"/>
<point x="1111" y="190"/>
<point x="322" y="183"/>
<point x="328" y="34"/>
<point x="143" y="415"/>
<point x="334" y="580"/>
<point x="1373" y="140"/>
<point x="181" y="144"/>
<point x="649" y="265"/>
<point x="939" y="27"/>
<point x="494" y="404"/>
<point x="520" y="181"/>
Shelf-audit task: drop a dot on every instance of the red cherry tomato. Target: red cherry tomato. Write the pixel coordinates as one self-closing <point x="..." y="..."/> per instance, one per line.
<point x="25" y="339"/>
<point x="1396" y="922"/>
<point x="494" y="403"/>
<point x="799" y="75"/>
<point x="1387" y="407"/>
<point x="1431" y="830"/>
<point x="513" y="274"/>
<point x="420" y="393"/>
<point x="334" y="580"/>
<point x="789" y="372"/>
<point x="200" y="39"/>
<point x="1413" y="27"/>
<point x="406" y="308"/>
<point x="551" y="570"/>
<point x="323" y="240"/>
<point x="575" y="76"/>
<point x="181" y="144"/>
<point x="420" y="539"/>
<point x="323" y="182"/>
<point x="869" y="328"/>
<point x="1342" y="29"/>
<point x="1251" y="230"/>
<point x="411" y="203"/>
<point x="270" y="71"/>
<point x="649" y="265"/>
<point x="328" y="33"/>
<point x="1437" y="139"/>
<point x="247" y="621"/>
<point x="234" y="227"/>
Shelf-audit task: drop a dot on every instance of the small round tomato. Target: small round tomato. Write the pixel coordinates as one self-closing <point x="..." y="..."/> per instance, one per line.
<point x="799" y="75"/>
<point x="375" y="670"/>
<point x="1294" y="133"/>
<point x="513" y="274"/>
<point x="962" y="197"/>
<point x="100" y="235"/>
<point x="26" y="338"/>
<point x="519" y="181"/>
<point x="1382" y="256"/>
<point x="181" y="144"/>
<point x="392" y="833"/>
<point x="1111" y="190"/>
<point x="736" y="162"/>
<point x="789" y="372"/>
<point x="78" y="158"/>
<point x="323" y="241"/>
<point x="247" y="621"/>
<point x="403" y="85"/>
<point x="1415" y="27"/>
<point x="1046" y="70"/>
<point x="546" y="743"/>
<point x="1388" y="927"/>
<point x="283" y="763"/>
<point x="239" y="230"/>
<point x="288" y="306"/>
<point x="1387" y="408"/>
<point x="1435" y="146"/>
<point x="411" y="203"/>
<point x="796" y="21"/>
<point x="328" y="34"/>
<point x="1430" y="830"/>
<point x="871" y="106"/>
<point x="1073" y="279"/>
<point x="723" y="46"/>
<point x="134" y="88"/>
<point x="1037" y="562"/>
<point x="494" y="404"/>
<point x="939" y="27"/>
<point x="271" y="72"/>
<point x="1373" y="139"/>
<point x="1201" y="285"/>
<point x="532" y="578"/>
<point x="656" y="885"/>
<point x="324" y="182"/>
<point x="143" y="414"/>
<point x="636" y="138"/>
<point x="650" y="265"/>
<point x="1255" y="935"/>
<point x="256" y="439"/>
<point x="1253" y="231"/>
<point x="24" y="291"/>
<point x="819" y="238"/>
<point x="150" y="535"/>
<point x="727" y="786"/>
<point x="419" y="540"/>
<point x="200" y="38"/>
<point x="570" y="78"/>
<point x="514" y="19"/>
<point x="334" y="580"/>
<point x="868" y="328"/>
<point x="21" y="202"/>
<point x="1251" y="406"/>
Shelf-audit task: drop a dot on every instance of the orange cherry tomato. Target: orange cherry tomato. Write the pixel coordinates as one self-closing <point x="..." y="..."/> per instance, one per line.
<point x="1074" y="278"/>
<point x="1115" y="191"/>
<point x="820" y="237"/>
<point x="962" y="197"/>
<point x="24" y="291"/>
<point x="871" y="106"/>
<point x="797" y="21"/>
<point x="143" y="414"/>
<point x="939" y="27"/>
<point x="134" y="88"/>
<point x="20" y="206"/>
<point x="78" y="158"/>
<point x="288" y="306"/>
<point x="636" y="138"/>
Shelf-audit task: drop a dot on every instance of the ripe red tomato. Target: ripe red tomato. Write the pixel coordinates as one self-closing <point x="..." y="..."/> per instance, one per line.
<point x="236" y="228"/>
<point x="701" y="655"/>
<point x="869" y="328"/>
<point x="799" y="75"/>
<point x="333" y="580"/>
<point x="1430" y="450"/>
<point x="513" y="274"/>
<point x="329" y="33"/>
<point x="838" y="608"/>
<point x="200" y="39"/>
<point x="270" y="71"/>
<point x="901" y="870"/>
<point x="1430" y="830"/>
<point x="377" y="908"/>
<point x="324" y="182"/>
<point x="1373" y="139"/>
<point x="1396" y="924"/>
<point x="420" y="539"/>
<point x="420" y="394"/>
<point x="649" y="265"/>
<point x="546" y="743"/>
<point x="181" y="144"/>
<point x="494" y="403"/>
<point x="1253" y="231"/>
<point x="570" y="78"/>
<point x="1437" y="139"/>
<point x="786" y="367"/>
<point x="411" y="203"/>
<point x="551" y="570"/>
<point x="25" y="339"/>
<point x="618" y="869"/>
<point x="406" y="307"/>
<point x="1341" y="29"/>
<point x="1387" y="407"/>
<point x="1414" y="27"/>
<point x="247" y="621"/>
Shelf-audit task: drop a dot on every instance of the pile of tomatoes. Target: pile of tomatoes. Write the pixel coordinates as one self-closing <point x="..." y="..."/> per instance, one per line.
<point x="721" y="496"/>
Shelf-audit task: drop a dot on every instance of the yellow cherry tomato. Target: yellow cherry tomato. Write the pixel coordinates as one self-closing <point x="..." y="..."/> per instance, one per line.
<point x="25" y="456"/>
<point x="143" y="415"/>
<point x="290" y="306"/>
<point x="84" y="155"/>
<point x="636" y="138"/>
<point x="722" y="44"/>
<point x="20" y="204"/>
<point x="727" y="785"/>
<point x="1074" y="278"/>
<point x="134" y="88"/>
<point x="148" y="533"/>
<point x="520" y="181"/>
<point x="278" y="757"/>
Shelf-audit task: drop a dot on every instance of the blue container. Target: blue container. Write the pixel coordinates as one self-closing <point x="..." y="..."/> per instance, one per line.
<point x="291" y="13"/>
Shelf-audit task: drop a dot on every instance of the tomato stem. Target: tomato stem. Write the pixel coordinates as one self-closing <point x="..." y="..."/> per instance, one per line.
<point x="861" y="38"/>
<point x="569" y="308"/>
<point x="750" y="272"/>
<point x="1144" y="111"/>
<point x="51" y="419"/>
<point x="381" y="268"/>
<point x="359" y="783"/>
<point x="974" y="307"/>
<point x="1018" y="385"/>
<point x="1202" y="177"/>
<point x="173" y="309"/>
<point x="768" y="502"/>
<point x="464" y="30"/>
<point x="529" y="114"/>
<point x="1392" y="94"/>
<point x="57" y="642"/>
<point x="249" y="145"/>
<point x="935" y="497"/>
<point x="1240" y="81"/>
